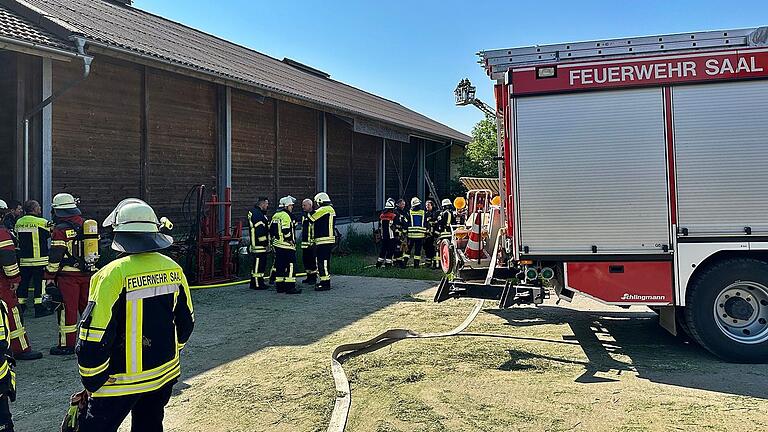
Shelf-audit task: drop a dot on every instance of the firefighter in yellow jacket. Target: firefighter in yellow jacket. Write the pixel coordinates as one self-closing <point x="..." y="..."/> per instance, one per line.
<point x="282" y="230"/>
<point x="323" y="237"/>
<point x="138" y="318"/>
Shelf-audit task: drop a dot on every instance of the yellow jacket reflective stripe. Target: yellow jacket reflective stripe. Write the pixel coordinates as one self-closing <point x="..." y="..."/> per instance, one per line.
<point x="157" y="317"/>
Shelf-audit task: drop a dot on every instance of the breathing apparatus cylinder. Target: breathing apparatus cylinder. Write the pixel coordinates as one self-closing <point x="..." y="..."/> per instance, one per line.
<point x="90" y="243"/>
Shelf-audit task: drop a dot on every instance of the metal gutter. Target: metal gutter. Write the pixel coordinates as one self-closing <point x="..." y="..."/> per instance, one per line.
<point x="80" y="43"/>
<point x="35" y="49"/>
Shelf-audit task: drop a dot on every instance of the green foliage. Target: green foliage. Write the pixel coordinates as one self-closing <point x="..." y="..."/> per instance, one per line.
<point x="358" y="242"/>
<point x="478" y="159"/>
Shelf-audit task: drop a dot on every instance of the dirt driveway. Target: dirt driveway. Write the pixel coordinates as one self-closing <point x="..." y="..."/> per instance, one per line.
<point x="259" y="361"/>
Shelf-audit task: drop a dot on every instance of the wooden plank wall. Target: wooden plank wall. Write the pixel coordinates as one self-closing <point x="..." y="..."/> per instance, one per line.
<point x="253" y="151"/>
<point x="182" y="140"/>
<point x="297" y="156"/>
<point x="393" y="169"/>
<point x="97" y="134"/>
<point x="8" y="128"/>
<point x="438" y="166"/>
<point x="338" y="159"/>
<point x="365" y="166"/>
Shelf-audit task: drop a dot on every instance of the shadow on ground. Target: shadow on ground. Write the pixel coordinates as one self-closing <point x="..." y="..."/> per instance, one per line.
<point x="608" y="338"/>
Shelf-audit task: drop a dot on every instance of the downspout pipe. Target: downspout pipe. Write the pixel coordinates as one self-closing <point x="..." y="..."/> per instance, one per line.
<point x="87" y="60"/>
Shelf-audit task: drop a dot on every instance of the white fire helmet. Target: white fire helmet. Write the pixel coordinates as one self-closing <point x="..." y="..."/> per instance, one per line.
<point x="390" y="204"/>
<point x="286" y="201"/>
<point x="415" y="201"/>
<point x="322" y="198"/>
<point x="446" y="202"/>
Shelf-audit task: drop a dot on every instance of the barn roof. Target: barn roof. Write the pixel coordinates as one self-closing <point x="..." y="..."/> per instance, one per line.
<point x="17" y="27"/>
<point x="128" y="29"/>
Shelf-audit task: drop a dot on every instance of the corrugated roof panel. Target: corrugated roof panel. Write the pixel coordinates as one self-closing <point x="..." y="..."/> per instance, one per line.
<point x="13" y="26"/>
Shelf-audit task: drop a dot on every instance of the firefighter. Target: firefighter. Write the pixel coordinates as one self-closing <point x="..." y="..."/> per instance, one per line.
<point x="417" y="231"/>
<point x="259" y="246"/>
<point x="68" y="268"/>
<point x="308" y="247"/>
<point x="430" y="241"/>
<point x="9" y="281"/>
<point x="7" y="373"/>
<point x="388" y="238"/>
<point x="445" y="220"/>
<point x="12" y="215"/>
<point x="282" y="230"/>
<point x="324" y="237"/>
<point x="400" y="226"/>
<point x="138" y="319"/>
<point x="33" y="233"/>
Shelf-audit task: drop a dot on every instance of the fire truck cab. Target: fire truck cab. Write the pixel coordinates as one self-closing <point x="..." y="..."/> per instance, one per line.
<point x="633" y="171"/>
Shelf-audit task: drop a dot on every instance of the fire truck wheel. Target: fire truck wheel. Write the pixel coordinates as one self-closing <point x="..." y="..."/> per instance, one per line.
<point x="727" y="310"/>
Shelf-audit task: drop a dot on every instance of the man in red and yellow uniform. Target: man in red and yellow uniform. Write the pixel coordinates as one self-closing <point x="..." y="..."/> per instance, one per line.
<point x="66" y="265"/>
<point x="9" y="282"/>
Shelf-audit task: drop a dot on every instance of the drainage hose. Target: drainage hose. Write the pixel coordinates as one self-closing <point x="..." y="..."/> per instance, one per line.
<point x="343" y="402"/>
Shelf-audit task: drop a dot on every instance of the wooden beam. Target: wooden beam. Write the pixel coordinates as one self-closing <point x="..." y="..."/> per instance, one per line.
<point x="144" y="151"/>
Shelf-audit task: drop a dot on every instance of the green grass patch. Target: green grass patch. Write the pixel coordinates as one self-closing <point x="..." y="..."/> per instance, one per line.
<point x="361" y="265"/>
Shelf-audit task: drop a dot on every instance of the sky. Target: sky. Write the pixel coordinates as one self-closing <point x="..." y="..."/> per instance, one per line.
<point x="415" y="52"/>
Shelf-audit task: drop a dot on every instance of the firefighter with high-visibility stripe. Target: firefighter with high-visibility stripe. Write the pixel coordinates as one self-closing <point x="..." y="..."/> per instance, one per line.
<point x="7" y="374"/>
<point x="324" y="238"/>
<point x="400" y="226"/>
<point x="259" y="246"/>
<point x="430" y="241"/>
<point x="282" y="229"/>
<point x="138" y="319"/>
<point x="9" y="281"/>
<point x="33" y="233"/>
<point x="417" y="231"/>
<point x="67" y="266"/>
<point x="388" y="238"/>
<point x="308" y="247"/>
<point x="445" y="220"/>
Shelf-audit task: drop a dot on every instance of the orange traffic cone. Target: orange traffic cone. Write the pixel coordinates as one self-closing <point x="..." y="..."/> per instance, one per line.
<point x="474" y="250"/>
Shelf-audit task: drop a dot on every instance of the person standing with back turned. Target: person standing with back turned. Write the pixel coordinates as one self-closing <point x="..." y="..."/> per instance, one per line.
<point x="324" y="223"/>
<point x="33" y="232"/>
<point x="282" y="230"/>
<point x="138" y="319"/>
<point x="259" y="247"/>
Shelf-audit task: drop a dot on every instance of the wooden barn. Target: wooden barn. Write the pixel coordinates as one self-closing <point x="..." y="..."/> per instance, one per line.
<point x="106" y="101"/>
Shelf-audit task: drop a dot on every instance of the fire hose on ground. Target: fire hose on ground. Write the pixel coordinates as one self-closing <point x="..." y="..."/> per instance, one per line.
<point x="343" y="402"/>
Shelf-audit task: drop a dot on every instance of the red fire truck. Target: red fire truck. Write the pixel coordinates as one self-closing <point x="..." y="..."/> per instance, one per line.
<point x="633" y="171"/>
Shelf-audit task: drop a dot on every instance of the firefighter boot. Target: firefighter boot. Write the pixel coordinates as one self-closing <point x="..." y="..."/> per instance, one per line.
<point x="260" y="285"/>
<point x="310" y="280"/>
<point x="323" y="286"/>
<point x="59" y="351"/>
<point x="253" y="284"/>
<point x="28" y="355"/>
<point x="293" y="290"/>
<point x="416" y="263"/>
<point x="280" y="287"/>
<point x="42" y="311"/>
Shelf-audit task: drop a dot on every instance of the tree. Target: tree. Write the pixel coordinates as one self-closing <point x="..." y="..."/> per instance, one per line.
<point x="478" y="159"/>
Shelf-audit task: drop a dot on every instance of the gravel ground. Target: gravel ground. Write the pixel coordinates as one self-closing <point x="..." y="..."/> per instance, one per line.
<point x="259" y="361"/>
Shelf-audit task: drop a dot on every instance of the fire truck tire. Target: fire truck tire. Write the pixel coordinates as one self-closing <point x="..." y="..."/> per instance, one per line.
<point x="727" y="310"/>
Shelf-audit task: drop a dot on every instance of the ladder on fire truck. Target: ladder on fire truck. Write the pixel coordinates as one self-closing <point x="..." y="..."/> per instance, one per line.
<point x="498" y="61"/>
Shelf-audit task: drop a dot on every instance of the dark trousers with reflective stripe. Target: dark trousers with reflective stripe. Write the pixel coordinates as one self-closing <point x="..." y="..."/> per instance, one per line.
<point x="31" y="282"/>
<point x="106" y="414"/>
<point x="324" y="264"/>
<point x="285" y="260"/>
<point x="309" y="259"/>
<point x="259" y="264"/>
<point x="6" y="421"/>
<point x="387" y="250"/>
<point x="414" y="250"/>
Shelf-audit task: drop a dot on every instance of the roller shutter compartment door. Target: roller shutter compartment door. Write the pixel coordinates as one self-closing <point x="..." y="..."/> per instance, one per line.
<point x="592" y="172"/>
<point x="721" y="146"/>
